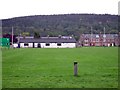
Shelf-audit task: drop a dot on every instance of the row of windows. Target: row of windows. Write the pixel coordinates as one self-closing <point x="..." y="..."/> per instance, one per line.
<point x="58" y="44"/>
<point x="97" y="40"/>
<point x="86" y="40"/>
<point x="47" y="44"/>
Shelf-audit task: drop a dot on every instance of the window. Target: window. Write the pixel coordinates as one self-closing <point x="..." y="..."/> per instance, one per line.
<point x="86" y="40"/>
<point x="25" y="44"/>
<point x="47" y="44"/>
<point x="59" y="44"/>
<point x="97" y="40"/>
<point x="7" y="43"/>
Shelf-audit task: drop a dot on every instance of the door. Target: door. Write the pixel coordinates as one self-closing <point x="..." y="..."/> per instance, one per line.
<point x="33" y="45"/>
<point x="39" y="45"/>
<point x="18" y="45"/>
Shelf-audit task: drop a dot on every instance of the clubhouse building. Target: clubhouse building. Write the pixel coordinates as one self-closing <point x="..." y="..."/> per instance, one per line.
<point x="46" y="42"/>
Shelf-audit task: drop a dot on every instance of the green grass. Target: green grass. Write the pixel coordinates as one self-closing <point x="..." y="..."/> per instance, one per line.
<point x="53" y="68"/>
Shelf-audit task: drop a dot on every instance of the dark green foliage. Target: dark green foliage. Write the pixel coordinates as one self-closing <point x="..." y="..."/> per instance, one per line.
<point x="67" y="24"/>
<point x="5" y="42"/>
<point x="36" y="35"/>
<point x="10" y="37"/>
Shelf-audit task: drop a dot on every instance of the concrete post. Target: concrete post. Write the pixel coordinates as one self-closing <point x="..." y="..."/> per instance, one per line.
<point x="75" y="68"/>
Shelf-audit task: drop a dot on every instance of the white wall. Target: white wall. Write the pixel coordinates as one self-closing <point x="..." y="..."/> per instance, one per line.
<point x="43" y="45"/>
<point x="35" y="45"/>
<point x="22" y="45"/>
<point x="68" y="45"/>
<point x="30" y="45"/>
<point x="52" y="45"/>
<point x="63" y="45"/>
<point x="15" y="45"/>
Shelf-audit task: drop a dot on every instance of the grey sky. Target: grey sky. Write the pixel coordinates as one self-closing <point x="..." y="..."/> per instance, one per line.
<point x="16" y="8"/>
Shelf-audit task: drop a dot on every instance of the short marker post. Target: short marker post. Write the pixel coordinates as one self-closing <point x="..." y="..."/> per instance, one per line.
<point x="75" y="68"/>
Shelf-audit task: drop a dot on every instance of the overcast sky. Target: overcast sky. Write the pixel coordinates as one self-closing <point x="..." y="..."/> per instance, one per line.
<point x="16" y="8"/>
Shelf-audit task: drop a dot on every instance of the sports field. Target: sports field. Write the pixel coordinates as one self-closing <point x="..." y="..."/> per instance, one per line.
<point x="53" y="68"/>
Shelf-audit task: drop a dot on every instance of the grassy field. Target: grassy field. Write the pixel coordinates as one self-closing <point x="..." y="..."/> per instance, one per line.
<point x="53" y="68"/>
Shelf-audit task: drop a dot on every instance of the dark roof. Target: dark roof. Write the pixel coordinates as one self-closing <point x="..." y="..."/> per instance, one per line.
<point x="25" y="37"/>
<point x="48" y="40"/>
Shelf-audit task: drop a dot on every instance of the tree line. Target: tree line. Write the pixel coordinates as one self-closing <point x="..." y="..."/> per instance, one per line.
<point x="66" y="24"/>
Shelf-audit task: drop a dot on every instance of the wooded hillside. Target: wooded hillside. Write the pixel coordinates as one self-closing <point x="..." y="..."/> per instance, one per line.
<point x="67" y="24"/>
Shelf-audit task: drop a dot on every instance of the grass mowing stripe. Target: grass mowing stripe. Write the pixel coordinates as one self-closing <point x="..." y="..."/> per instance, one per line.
<point x="53" y="68"/>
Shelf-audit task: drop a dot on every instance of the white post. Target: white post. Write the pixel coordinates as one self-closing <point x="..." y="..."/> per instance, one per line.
<point x="1" y="56"/>
<point x="91" y="36"/>
<point x="104" y="36"/>
<point x="12" y="37"/>
<point x="75" y="68"/>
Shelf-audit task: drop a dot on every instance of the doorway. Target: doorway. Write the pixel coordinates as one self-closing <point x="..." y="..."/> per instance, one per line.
<point x="39" y="45"/>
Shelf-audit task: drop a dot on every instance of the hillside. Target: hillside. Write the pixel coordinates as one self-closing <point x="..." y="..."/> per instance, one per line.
<point x="67" y="24"/>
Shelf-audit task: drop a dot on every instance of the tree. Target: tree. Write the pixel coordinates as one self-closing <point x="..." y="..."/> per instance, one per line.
<point x="10" y="37"/>
<point x="68" y="24"/>
<point x="26" y="34"/>
<point x="36" y="35"/>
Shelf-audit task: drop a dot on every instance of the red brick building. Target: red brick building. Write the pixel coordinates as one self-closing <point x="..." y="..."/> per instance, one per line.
<point x="99" y="40"/>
